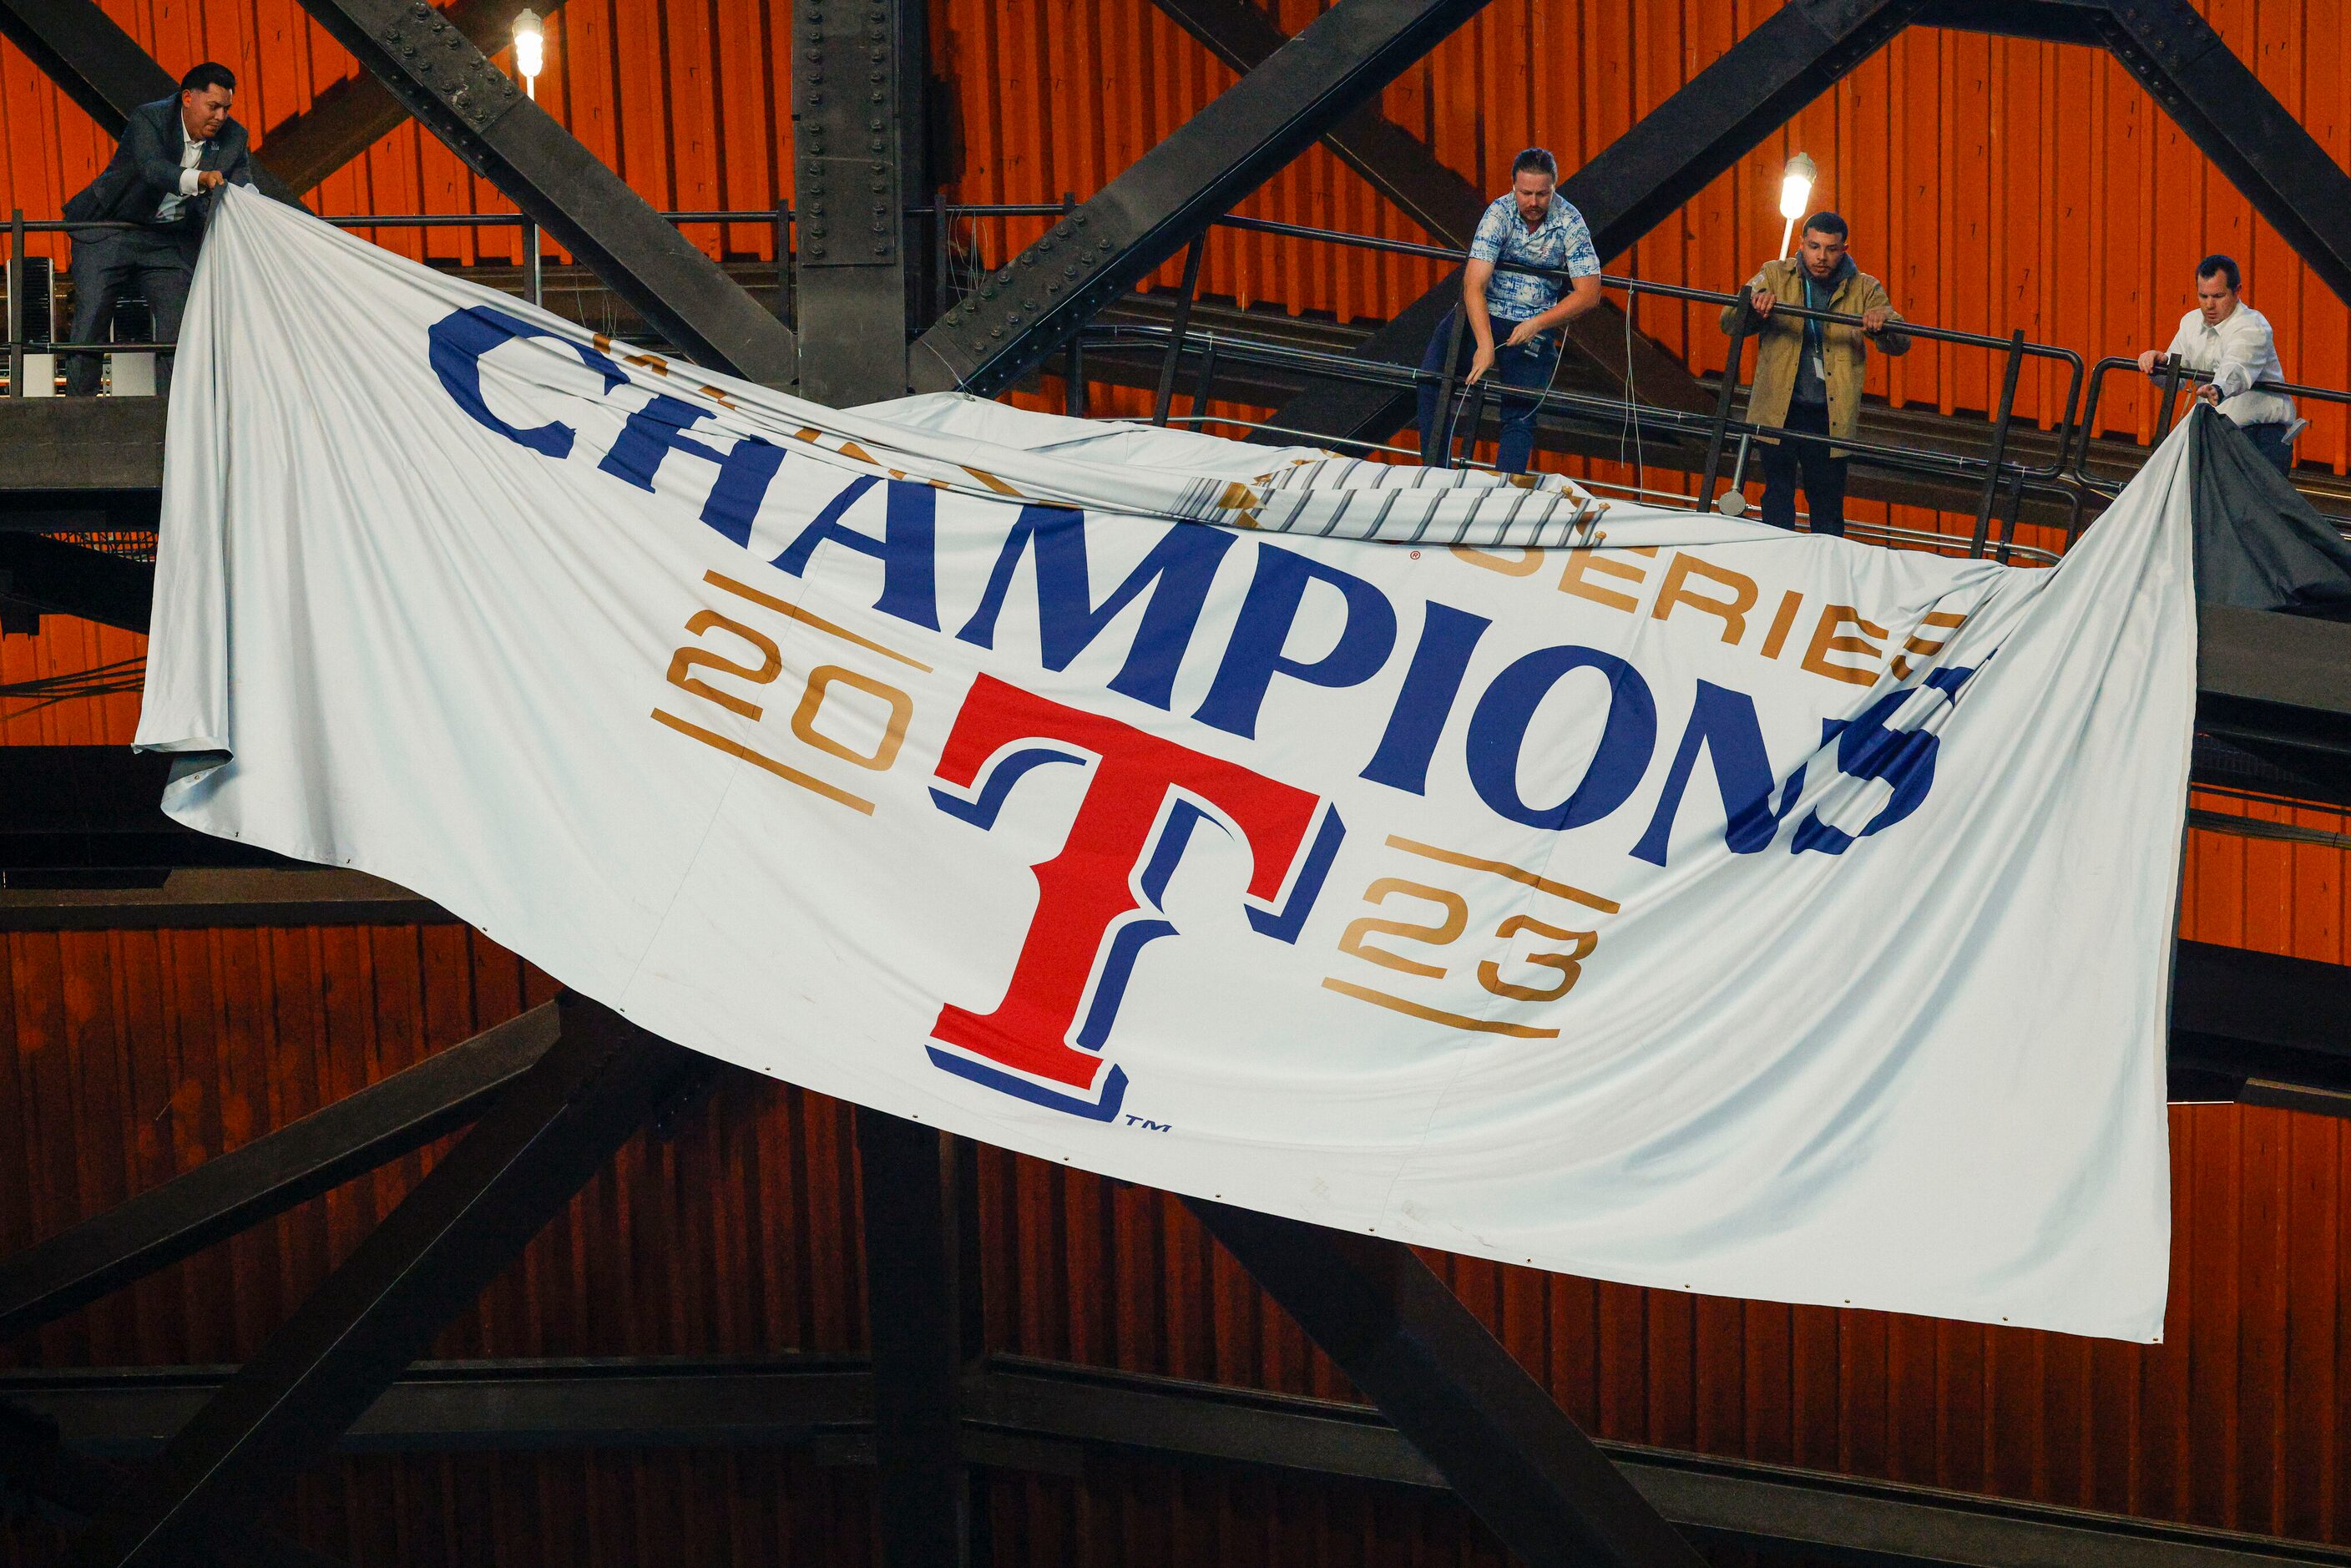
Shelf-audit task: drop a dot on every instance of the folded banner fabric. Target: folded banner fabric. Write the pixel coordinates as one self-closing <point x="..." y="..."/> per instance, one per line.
<point x="1640" y="893"/>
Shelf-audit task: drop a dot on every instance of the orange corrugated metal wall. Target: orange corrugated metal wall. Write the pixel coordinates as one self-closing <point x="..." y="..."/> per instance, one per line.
<point x="1992" y="183"/>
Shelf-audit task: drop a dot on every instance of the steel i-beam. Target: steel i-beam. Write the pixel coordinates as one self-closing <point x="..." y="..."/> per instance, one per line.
<point x="1407" y="171"/>
<point x="1805" y="46"/>
<point x="1028" y="1415"/>
<point x="53" y="577"/>
<point x="857" y="119"/>
<point x="93" y="61"/>
<point x="1797" y="53"/>
<point x="1029" y="308"/>
<point x="99" y="66"/>
<point x="35" y="1463"/>
<point x="439" y="76"/>
<point x="2193" y="75"/>
<point x="264" y="1178"/>
<point x="552" y="1130"/>
<point x="2264" y="151"/>
<point x="911" y="1304"/>
<point x="1409" y="1344"/>
<point x="352" y="115"/>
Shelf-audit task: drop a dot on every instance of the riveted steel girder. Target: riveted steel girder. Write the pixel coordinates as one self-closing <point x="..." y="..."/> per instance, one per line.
<point x="1407" y="171"/>
<point x="857" y="118"/>
<point x="2196" y="78"/>
<point x="99" y="66"/>
<point x="352" y="115"/>
<point x="1796" y="54"/>
<point x="1027" y="309"/>
<point x="1805" y="46"/>
<point x="546" y="1133"/>
<point x="442" y="78"/>
<point x="1406" y="1341"/>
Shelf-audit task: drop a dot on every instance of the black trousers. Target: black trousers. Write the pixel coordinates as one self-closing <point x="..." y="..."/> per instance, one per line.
<point x="2269" y="440"/>
<point x="1824" y="475"/>
<point x="156" y="265"/>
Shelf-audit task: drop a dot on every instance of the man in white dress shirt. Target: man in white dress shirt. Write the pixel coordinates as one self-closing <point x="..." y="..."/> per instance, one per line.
<point x="2231" y="340"/>
<point x="175" y="152"/>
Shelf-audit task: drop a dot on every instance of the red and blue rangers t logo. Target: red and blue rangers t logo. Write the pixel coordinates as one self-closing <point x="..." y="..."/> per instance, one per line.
<point x="1099" y="898"/>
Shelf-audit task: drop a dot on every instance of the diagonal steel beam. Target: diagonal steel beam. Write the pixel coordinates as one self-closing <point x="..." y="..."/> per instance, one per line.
<point x="1026" y="310"/>
<point x="99" y="66"/>
<point x="1407" y="171"/>
<point x="1029" y="1415"/>
<point x="1409" y="1344"/>
<point x="2191" y="71"/>
<point x="1803" y="48"/>
<point x="237" y="1190"/>
<point x="1665" y="160"/>
<point x="443" y="79"/>
<point x="35" y="1463"/>
<point x="93" y="61"/>
<point x="1399" y="165"/>
<point x="2261" y="1016"/>
<point x="352" y="115"/>
<point x="552" y="1130"/>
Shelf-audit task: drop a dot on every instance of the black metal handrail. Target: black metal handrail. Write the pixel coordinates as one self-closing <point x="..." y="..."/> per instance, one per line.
<point x="2002" y="481"/>
<point x="1891" y="533"/>
<point x="1437" y="446"/>
<point x="532" y="251"/>
<point x="2170" y="376"/>
<point x="1639" y="286"/>
<point x="1603" y="414"/>
<point x="1995" y="471"/>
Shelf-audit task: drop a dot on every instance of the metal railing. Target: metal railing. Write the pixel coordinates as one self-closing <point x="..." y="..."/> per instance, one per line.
<point x="1892" y="533"/>
<point x="1219" y="349"/>
<point x="1996" y="476"/>
<point x="533" y="266"/>
<point x="1999" y="480"/>
<point x="2002" y="483"/>
<point x="2169" y="379"/>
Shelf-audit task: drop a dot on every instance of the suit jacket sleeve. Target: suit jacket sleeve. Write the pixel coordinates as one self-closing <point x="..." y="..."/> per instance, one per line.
<point x="158" y="165"/>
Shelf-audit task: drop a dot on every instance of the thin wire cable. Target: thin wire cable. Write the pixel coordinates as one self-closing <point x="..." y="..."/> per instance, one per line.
<point x="124" y="676"/>
<point x="1631" y="395"/>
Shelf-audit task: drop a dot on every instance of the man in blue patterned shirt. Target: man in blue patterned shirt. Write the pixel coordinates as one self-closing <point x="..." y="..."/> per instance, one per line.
<point x="1530" y="227"/>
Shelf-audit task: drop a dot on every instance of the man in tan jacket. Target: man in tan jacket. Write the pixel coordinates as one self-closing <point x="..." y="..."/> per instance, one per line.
<point x="1808" y="373"/>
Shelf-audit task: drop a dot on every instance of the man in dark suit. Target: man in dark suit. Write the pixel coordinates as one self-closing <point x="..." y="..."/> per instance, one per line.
<point x="175" y="152"/>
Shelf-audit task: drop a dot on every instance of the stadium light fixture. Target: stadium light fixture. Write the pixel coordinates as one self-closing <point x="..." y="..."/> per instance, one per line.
<point x="531" y="50"/>
<point x="1796" y="195"/>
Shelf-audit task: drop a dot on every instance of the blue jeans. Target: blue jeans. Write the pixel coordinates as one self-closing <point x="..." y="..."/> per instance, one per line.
<point x="1526" y="367"/>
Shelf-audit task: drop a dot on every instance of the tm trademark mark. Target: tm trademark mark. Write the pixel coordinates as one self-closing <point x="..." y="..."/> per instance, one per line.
<point x="1146" y="1124"/>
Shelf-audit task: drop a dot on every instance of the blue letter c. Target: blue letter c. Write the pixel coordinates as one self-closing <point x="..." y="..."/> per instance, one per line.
<point x="462" y="337"/>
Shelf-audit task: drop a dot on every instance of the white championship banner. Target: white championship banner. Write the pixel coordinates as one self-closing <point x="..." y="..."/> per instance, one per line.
<point x="1642" y="894"/>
